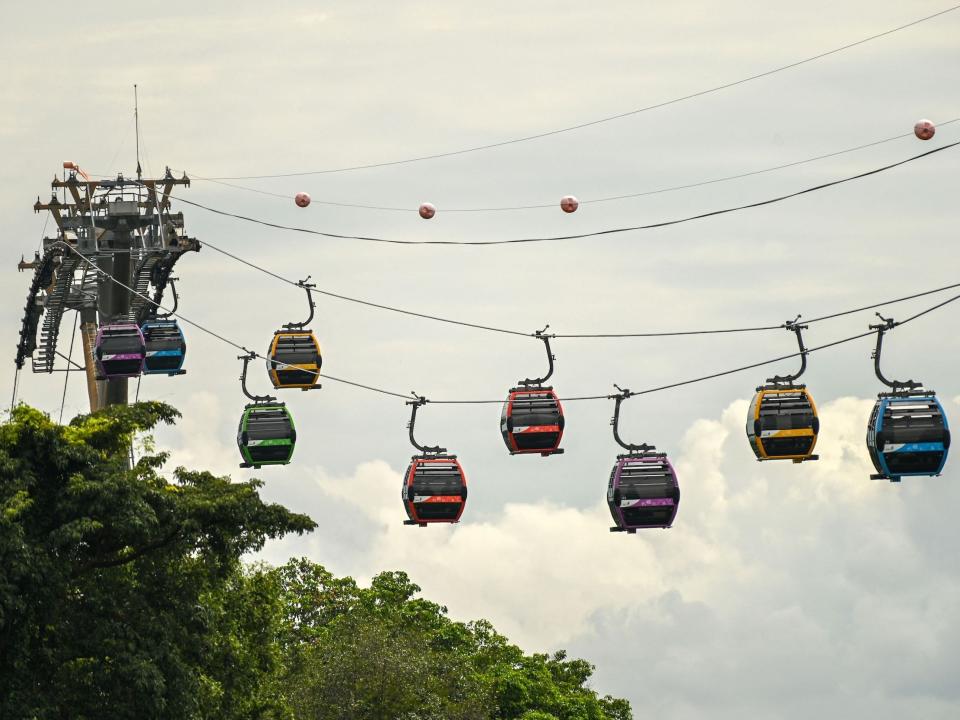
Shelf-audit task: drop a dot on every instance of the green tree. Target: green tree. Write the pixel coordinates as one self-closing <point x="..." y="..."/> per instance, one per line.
<point x="382" y="652"/>
<point x="112" y="578"/>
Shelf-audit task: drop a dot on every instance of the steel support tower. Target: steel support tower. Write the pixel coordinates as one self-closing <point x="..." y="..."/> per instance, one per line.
<point x="112" y="234"/>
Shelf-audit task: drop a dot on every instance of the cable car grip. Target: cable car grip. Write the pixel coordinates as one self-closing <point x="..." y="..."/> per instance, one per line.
<point x="615" y="422"/>
<point x="418" y="401"/>
<point x="898" y="386"/>
<point x="793" y="326"/>
<point x="545" y="337"/>
<point x="176" y="301"/>
<point x="308" y="286"/>
<point x="243" y="379"/>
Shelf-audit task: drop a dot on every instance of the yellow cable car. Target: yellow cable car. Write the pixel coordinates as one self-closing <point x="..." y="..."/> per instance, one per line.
<point x="294" y="357"/>
<point x="782" y="422"/>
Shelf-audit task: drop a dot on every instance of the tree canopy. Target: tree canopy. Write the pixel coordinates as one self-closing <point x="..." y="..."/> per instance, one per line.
<point x="123" y="594"/>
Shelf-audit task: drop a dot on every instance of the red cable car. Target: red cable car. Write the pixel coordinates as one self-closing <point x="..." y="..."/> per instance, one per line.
<point x="434" y="485"/>
<point x="532" y="421"/>
<point x="532" y="417"/>
<point x="434" y="490"/>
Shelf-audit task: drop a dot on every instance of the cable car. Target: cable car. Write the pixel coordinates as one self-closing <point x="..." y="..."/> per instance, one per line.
<point x="434" y="485"/>
<point x="166" y="347"/>
<point x="119" y="351"/>
<point x="907" y="434"/>
<point x="295" y="360"/>
<point x="266" y="434"/>
<point x="782" y="422"/>
<point x="434" y="490"/>
<point x="532" y="421"/>
<point x="643" y="490"/>
<point x="532" y="417"/>
<point x="294" y="357"/>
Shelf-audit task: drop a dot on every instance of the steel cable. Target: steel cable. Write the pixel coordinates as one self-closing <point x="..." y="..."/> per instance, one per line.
<point x="609" y="118"/>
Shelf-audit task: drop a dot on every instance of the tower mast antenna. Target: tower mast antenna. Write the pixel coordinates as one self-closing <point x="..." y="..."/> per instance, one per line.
<point x="136" y="124"/>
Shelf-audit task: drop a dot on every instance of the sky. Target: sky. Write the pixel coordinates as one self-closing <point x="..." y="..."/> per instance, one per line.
<point x="781" y="591"/>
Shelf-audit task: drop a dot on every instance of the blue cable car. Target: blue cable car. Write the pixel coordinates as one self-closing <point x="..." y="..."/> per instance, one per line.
<point x="166" y="347"/>
<point x="908" y="434"/>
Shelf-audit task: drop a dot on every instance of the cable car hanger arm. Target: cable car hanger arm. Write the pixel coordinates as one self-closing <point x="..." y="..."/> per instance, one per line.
<point x="176" y="300"/>
<point x="243" y="379"/>
<point x="542" y="335"/>
<point x="795" y="327"/>
<point x="615" y="421"/>
<point x="308" y="287"/>
<point x="896" y="385"/>
<point x="425" y="449"/>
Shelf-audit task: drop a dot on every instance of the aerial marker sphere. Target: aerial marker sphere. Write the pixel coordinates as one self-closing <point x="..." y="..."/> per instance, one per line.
<point x="302" y="199"/>
<point x="924" y="129"/>
<point x="569" y="204"/>
<point x="427" y="210"/>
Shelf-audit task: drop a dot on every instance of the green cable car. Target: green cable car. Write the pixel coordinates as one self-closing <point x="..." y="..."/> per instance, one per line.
<point x="266" y="434"/>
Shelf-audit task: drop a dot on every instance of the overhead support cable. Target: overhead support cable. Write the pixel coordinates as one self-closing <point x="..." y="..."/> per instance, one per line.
<point x="66" y="377"/>
<point x="587" y="336"/>
<point x="605" y="396"/>
<point x="588" y="201"/>
<point x="609" y="118"/>
<point x="575" y="236"/>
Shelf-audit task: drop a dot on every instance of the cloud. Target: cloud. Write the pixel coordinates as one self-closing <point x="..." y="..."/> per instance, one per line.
<point x="201" y="437"/>
<point x="781" y="590"/>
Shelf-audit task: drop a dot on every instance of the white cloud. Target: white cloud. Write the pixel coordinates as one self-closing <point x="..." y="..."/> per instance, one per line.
<point x="780" y="586"/>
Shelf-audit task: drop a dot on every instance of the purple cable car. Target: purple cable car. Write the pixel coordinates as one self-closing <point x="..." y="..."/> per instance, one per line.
<point x="643" y="491"/>
<point x="120" y="351"/>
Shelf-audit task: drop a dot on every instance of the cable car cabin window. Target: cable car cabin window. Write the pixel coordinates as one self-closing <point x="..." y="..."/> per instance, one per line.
<point x="447" y="484"/>
<point x="786" y="411"/>
<point x="908" y="463"/>
<point x="653" y="515"/>
<point x="648" y="480"/>
<point x="121" y="345"/>
<point x="163" y="337"/>
<point x="163" y="362"/>
<point x="296" y="350"/>
<point x="801" y="445"/>
<point x="122" y="367"/>
<point x="913" y="423"/>
<point x="438" y="510"/>
<point x="268" y="453"/>
<point x="269" y="425"/>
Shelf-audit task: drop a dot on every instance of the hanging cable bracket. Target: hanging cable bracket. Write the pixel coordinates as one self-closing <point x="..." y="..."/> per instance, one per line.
<point x="545" y="337"/>
<point x="898" y="386"/>
<point x="243" y="379"/>
<point x="631" y="448"/>
<point x="418" y="402"/>
<point x="308" y="286"/>
<point x="797" y="328"/>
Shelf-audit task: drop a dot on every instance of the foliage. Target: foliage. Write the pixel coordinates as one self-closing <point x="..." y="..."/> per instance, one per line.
<point x="382" y="652"/>
<point x="122" y="595"/>
<point x="104" y="569"/>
